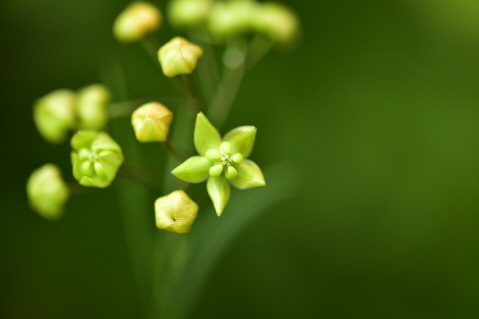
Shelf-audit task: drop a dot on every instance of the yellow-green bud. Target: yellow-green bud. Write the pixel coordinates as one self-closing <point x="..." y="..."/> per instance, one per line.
<point x="151" y="122"/>
<point x="54" y="115"/>
<point x="175" y="212"/>
<point x="47" y="192"/>
<point x="92" y="106"/>
<point x="137" y="20"/>
<point x="276" y="21"/>
<point x="178" y="56"/>
<point x="188" y="13"/>
<point x="231" y="18"/>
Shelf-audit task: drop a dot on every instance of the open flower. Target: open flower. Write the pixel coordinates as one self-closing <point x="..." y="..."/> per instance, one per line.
<point x="221" y="161"/>
<point x="96" y="158"/>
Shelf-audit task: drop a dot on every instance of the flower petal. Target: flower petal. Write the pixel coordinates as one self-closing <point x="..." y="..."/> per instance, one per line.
<point x="194" y="170"/>
<point x="104" y="142"/>
<point x="249" y="175"/>
<point x="241" y="140"/>
<point x="219" y="191"/>
<point x="83" y="139"/>
<point x="206" y="135"/>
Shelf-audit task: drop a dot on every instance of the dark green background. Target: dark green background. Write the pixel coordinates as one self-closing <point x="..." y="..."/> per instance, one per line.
<point x="379" y="109"/>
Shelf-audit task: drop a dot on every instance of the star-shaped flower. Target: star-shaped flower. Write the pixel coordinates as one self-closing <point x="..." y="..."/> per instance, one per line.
<point x="221" y="161"/>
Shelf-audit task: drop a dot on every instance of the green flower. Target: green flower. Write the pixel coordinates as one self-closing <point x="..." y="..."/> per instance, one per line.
<point x="47" y="192"/>
<point x="96" y="158"/>
<point x="136" y="21"/>
<point x="54" y="115"/>
<point x="221" y="161"/>
<point x="92" y="103"/>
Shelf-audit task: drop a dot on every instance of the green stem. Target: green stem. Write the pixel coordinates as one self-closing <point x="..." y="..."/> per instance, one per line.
<point x="178" y="152"/>
<point x="135" y="176"/>
<point x="151" y="46"/>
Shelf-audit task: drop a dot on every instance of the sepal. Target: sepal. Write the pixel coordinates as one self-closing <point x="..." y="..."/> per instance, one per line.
<point x="249" y="175"/>
<point x="206" y="136"/>
<point x="241" y="140"/>
<point x="219" y="191"/>
<point x="194" y="170"/>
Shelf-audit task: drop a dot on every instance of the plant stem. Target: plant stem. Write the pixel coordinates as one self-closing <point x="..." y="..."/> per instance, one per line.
<point x="140" y="179"/>
<point x="178" y="152"/>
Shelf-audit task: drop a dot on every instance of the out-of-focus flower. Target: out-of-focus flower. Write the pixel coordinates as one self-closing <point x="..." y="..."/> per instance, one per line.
<point x="175" y="212"/>
<point x="221" y="161"/>
<point x="92" y="103"/>
<point x="231" y="18"/>
<point x="189" y="13"/>
<point x="96" y="158"/>
<point x="179" y="56"/>
<point x="276" y="21"/>
<point x="47" y="192"/>
<point x="54" y="115"/>
<point x="151" y="122"/>
<point x="136" y="21"/>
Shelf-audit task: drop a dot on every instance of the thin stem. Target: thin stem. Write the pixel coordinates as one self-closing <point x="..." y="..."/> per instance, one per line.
<point x="140" y="179"/>
<point x="175" y="150"/>
<point x="151" y="46"/>
<point x="192" y="90"/>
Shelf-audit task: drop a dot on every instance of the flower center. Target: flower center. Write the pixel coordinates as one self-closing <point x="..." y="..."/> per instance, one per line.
<point x="226" y="160"/>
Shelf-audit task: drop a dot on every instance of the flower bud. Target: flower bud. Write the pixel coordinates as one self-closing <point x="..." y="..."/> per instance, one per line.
<point x="231" y="18"/>
<point x="276" y="21"/>
<point x="178" y="56"/>
<point x="175" y="212"/>
<point x="54" y="115"/>
<point x="47" y="192"/>
<point x="188" y="13"/>
<point x="92" y="106"/>
<point x="151" y="122"/>
<point x="138" y="19"/>
<point x="96" y="158"/>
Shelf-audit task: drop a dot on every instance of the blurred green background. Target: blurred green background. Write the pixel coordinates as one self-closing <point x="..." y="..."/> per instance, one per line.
<point x="379" y="109"/>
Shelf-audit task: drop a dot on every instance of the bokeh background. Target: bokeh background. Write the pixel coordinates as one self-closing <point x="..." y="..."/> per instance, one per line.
<point x="378" y="108"/>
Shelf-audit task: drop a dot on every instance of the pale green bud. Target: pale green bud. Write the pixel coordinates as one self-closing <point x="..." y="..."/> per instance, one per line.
<point x="215" y="171"/>
<point x="175" y="212"/>
<point x="47" y="192"/>
<point x="276" y="21"/>
<point x="178" y="56"/>
<point x="231" y="173"/>
<point x="219" y="191"/>
<point x="237" y="158"/>
<point x="213" y="155"/>
<point x="225" y="148"/>
<point x="54" y="115"/>
<point x="96" y="158"/>
<point x="194" y="170"/>
<point x="92" y="106"/>
<point x="151" y="122"/>
<point x="188" y="13"/>
<point x="231" y="18"/>
<point x="137" y="20"/>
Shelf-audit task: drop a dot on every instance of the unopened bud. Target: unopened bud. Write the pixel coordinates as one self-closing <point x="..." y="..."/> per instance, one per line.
<point x="54" y="115"/>
<point x="47" y="192"/>
<point x="175" y="212"/>
<point x="92" y="106"/>
<point x="231" y="18"/>
<point x="178" y="56"/>
<point x="151" y="122"/>
<point x="188" y="13"/>
<point x="138" y="19"/>
<point x="276" y="21"/>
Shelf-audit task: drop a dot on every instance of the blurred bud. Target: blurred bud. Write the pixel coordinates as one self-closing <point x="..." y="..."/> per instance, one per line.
<point x="178" y="56"/>
<point x="231" y="18"/>
<point x="188" y="13"/>
<point x="151" y="122"/>
<point x="138" y="19"/>
<point x="47" y="192"/>
<point x="175" y="212"/>
<point x="96" y="158"/>
<point x="92" y="106"/>
<point x="54" y="115"/>
<point x="277" y="22"/>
